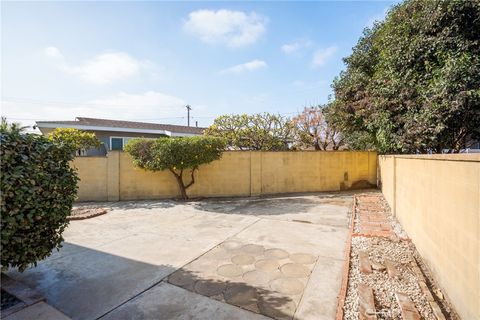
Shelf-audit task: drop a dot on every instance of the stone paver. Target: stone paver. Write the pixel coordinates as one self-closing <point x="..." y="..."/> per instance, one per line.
<point x="366" y="303"/>
<point x="391" y="269"/>
<point x="222" y="259"/>
<point x="409" y="312"/>
<point x="364" y="261"/>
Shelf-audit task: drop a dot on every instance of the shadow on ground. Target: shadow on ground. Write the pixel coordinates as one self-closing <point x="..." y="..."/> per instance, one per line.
<point x="271" y="205"/>
<point x="129" y="205"/>
<point x="274" y="205"/>
<point x="98" y="285"/>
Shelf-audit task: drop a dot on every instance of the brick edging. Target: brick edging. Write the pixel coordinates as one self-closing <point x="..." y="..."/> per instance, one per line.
<point x="373" y="235"/>
<point x="346" y="265"/>
<point x="86" y="216"/>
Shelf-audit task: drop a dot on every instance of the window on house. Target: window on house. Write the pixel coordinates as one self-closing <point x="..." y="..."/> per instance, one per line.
<point x="116" y="144"/>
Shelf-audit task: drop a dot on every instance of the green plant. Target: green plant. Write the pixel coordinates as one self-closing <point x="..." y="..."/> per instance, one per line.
<point x="178" y="155"/>
<point x="38" y="188"/>
<point x="261" y="131"/>
<point x="412" y="83"/>
<point x="74" y="139"/>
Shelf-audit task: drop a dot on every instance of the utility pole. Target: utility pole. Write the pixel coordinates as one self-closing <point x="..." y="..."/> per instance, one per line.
<point x="188" y="114"/>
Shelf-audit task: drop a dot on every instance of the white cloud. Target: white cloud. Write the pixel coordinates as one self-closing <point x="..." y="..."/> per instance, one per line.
<point x="321" y="56"/>
<point x="233" y="28"/>
<point x="53" y="52"/>
<point x="295" y="46"/>
<point x="244" y="67"/>
<point x="150" y="106"/>
<point x="150" y="101"/>
<point x="102" y="69"/>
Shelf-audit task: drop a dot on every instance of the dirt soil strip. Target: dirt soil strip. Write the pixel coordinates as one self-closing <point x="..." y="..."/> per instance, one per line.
<point x="346" y="265"/>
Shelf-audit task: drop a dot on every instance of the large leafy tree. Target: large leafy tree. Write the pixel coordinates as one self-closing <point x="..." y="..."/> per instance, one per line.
<point x="412" y="83"/>
<point x="178" y="155"/>
<point x="262" y="131"/>
<point x="312" y="130"/>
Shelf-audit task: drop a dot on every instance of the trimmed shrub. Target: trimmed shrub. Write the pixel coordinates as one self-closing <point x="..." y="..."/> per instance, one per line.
<point x="178" y="155"/>
<point x="38" y="188"/>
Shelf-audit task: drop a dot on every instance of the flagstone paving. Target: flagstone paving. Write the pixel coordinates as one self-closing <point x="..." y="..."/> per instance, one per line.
<point x="248" y="276"/>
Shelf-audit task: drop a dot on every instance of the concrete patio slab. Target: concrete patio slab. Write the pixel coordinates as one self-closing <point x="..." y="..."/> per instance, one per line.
<point x="284" y="253"/>
<point x="38" y="311"/>
<point x="165" y="302"/>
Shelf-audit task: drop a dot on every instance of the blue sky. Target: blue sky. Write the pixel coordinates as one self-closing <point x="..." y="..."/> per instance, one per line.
<point x="145" y="60"/>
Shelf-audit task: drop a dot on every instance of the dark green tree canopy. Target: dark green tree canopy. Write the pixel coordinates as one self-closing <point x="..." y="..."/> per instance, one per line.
<point x="176" y="155"/>
<point x="412" y="83"/>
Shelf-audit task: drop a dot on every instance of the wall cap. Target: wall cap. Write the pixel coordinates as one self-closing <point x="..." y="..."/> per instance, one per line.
<point x="470" y="157"/>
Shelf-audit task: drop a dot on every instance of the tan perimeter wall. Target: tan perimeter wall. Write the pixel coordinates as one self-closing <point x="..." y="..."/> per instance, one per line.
<point x="237" y="173"/>
<point x="437" y="201"/>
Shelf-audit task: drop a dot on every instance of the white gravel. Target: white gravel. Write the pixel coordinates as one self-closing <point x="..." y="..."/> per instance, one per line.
<point x="403" y="253"/>
<point x="384" y="288"/>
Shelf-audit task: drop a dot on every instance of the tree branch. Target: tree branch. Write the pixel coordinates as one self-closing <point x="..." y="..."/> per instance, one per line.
<point x="192" y="177"/>
<point x="174" y="173"/>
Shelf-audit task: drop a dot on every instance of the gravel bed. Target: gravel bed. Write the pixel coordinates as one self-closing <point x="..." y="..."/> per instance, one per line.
<point x="384" y="288"/>
<point x="396" y="226"/>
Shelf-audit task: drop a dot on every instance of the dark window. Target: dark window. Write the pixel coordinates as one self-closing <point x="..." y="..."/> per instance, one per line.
<point x="117" y="144"/>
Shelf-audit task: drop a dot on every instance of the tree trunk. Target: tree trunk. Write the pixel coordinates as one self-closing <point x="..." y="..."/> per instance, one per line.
<point x="316" y="144"/>
<point x="181" y="185"/>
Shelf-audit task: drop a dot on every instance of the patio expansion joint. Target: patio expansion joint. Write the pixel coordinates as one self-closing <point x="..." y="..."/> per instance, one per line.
<point x="306" y="222"/>
<point x="185" y="264"/>
<point x="306" y="285"/>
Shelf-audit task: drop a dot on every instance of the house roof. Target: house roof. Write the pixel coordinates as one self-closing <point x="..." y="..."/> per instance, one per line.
<point x="121" y="125"/>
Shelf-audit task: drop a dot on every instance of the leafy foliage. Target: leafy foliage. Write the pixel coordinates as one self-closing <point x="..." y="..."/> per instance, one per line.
<point x="74" y="139"/>
<point x="176" y="155"/>
<point x="38" y="188"/>
<point x="262" y="131"/>
<point x="313" y="130"/>
<point x="412" y="83"/>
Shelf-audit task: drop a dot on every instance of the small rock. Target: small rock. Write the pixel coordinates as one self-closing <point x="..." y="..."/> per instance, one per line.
<point x="378" y="266"/>
<point x="438" y="293"/>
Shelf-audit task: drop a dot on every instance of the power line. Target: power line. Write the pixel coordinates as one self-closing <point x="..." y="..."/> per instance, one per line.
<point x="37" y="119"/>
<point x="44" y="102"/>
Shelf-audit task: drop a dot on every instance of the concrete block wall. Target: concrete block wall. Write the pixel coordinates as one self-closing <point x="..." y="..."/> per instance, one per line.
<point x="237" y="173"/>
<point x="436" y="198"/>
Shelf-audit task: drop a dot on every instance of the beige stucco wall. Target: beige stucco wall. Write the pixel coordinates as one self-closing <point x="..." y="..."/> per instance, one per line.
<point x="93" y="178"/>
<point x="437" y="201"/>
<point x="237" y="173"/>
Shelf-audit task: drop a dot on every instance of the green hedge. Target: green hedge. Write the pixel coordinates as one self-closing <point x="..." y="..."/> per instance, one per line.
<point x="38" y="188"/>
